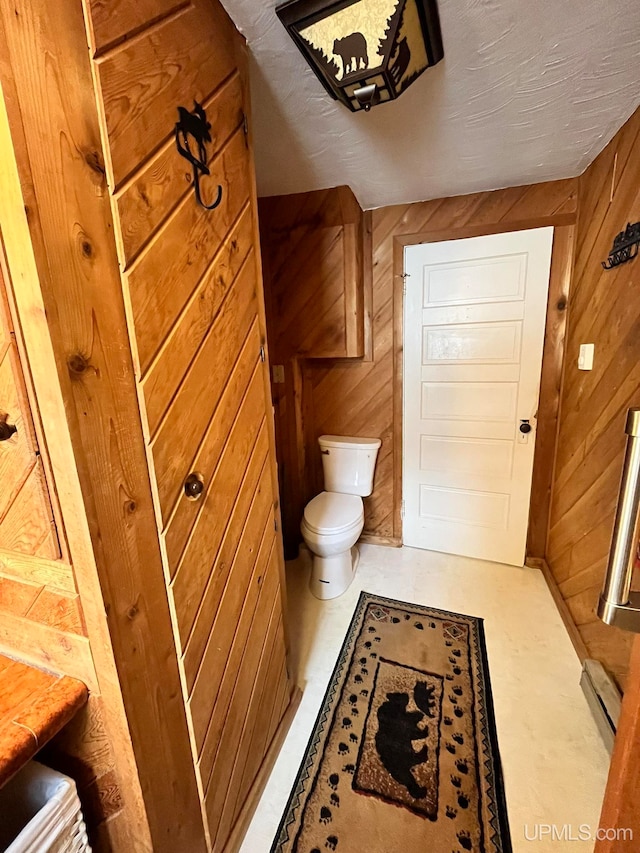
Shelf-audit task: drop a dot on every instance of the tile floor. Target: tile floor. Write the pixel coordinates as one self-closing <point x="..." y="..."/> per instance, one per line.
<point x="553" y="760"/>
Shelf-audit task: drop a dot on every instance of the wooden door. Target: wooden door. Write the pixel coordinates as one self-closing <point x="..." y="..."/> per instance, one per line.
<point x="27" y="526"/>
<point x="473" y="330"/>
<point x="192" y="287"/>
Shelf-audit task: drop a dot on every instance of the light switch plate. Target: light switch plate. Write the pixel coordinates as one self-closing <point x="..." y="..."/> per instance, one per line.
<point x="585" y="359"/>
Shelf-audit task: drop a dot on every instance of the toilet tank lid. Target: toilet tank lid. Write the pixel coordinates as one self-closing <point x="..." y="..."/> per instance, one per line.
<point x="348" y="441"/>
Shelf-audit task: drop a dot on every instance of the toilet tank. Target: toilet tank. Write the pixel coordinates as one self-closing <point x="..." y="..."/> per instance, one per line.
<point x="348" y="463"/>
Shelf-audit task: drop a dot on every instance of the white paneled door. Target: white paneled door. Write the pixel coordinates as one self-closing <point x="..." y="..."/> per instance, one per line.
<point x="474" y="319"/>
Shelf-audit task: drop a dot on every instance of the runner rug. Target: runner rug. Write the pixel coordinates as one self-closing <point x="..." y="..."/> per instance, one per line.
<point x="403" y="756"/>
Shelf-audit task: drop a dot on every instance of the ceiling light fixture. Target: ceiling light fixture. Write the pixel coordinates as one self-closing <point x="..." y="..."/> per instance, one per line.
<point x="365" y="52"/>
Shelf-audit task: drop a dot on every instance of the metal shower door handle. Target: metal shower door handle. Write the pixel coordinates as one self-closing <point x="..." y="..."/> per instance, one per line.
<point x="618" y="605"/>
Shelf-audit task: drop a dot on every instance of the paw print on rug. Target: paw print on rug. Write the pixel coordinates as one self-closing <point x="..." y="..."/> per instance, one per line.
<point x="451" y="748"/>
<point x="451" y="812"/>
<point x="333" y="781"/>
<point x="457" y="652"/>
<point x="373" y="655"/>
<point x="346" y="722"/>
<point x="368" y="644"/>
<point x="465" y="839"/>
<point x="449" y="677"/>
<point x="355" y="712"/>
<point x="316" y="850"/>
<point x="407" y="616"/>
<point x="457" y="670"/>
<point x="364" y="693"/>
<point x="363" y="661"/>
<point x="458" y="738"/>
<point x="332" y="842"/>
<point x="343" y="749"/>
<point x="432" y="624"/>
<point x="376" y="639"/>
<point x="325" y="815"/>
<point x="462" y="765"/>
<point x="452" y="659"/>
<point x="448" y="643"/>
<point x="456" y="781"/>
<point x="353" y="699"/>
<point x="419" y="626"/>
<point x="353" y="738"/>
<point x="458" y="712"/>
<point x="463" y="801"/>
<point x="448" y="721"/>
<point x="358" y="679"/>
<point x="457" y="690"/>
<point x="364" y="671"/>
<point x="453" y="699"/>
<point x="334" y="799"/>
<point x="371" y="629"/>
<point x="395" y="620"/>
<point x="349" y="768"/>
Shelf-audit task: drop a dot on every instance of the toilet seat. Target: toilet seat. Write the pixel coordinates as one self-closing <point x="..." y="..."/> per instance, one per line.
<point x="333" y="512"/>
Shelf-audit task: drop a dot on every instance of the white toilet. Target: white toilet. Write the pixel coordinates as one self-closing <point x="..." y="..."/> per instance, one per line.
<point x="334" y="519"/>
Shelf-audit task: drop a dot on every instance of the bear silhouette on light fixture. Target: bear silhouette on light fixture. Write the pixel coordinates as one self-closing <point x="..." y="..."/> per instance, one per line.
<point x="352" y="50"/>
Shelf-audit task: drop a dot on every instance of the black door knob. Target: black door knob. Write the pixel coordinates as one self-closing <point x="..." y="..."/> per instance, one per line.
<point x="6" y="430"/>
<point x="194" y="486"/>
<point x="525" y="427"/>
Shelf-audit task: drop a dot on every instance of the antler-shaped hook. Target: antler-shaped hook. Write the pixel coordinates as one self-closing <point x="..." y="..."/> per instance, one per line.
<point x="195" y="124"/>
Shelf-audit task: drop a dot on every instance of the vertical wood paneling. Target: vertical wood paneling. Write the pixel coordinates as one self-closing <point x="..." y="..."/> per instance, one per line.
<point x="604" y="310"/>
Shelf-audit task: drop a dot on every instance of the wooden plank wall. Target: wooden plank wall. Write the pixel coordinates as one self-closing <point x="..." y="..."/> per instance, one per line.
<point x="64" y="258"/>
<point x="364" y="396"/>
<point x="26" y="516"/>
<point x="41" y="616"/>
<point x="312" y="253"/>
<point x="604" y="310"/>
<point x="192" y="288"/>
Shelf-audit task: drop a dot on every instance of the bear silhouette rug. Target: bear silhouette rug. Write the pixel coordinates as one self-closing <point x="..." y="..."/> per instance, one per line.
<point x="403" y="757"/>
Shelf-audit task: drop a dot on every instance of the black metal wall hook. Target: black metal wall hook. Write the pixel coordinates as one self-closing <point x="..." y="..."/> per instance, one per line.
<point x="195" y="124"/>
<point x="625" y="246"/>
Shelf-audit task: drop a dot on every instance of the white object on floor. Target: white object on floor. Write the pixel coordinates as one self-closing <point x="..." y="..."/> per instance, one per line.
<point x="334" y="519"/>
<point x="41" y="812"/>
<point x="554" y="762"/>
<point x="474" y="320"/>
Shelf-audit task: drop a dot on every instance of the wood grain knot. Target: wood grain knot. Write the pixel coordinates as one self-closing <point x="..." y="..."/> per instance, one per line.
<point x="132" y="612"/>
<point x="77" y="364"/>
<point x="87" y="248"/>
<point x="562" y="304"/>
<point x="131" y="506"/>
<point x="94" y="161"/>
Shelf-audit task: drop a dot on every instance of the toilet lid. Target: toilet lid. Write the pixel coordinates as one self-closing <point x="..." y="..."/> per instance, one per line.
<point x="333" y="512"/>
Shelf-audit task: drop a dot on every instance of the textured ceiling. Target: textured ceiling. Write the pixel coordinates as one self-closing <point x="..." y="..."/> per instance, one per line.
<point x="528" y="91"/>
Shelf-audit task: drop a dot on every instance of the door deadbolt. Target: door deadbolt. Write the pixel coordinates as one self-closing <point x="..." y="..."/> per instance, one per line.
<point x="194" y="486"/>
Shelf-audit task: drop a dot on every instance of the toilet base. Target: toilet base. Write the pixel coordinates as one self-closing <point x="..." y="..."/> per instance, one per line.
<point x="331" y="576"/>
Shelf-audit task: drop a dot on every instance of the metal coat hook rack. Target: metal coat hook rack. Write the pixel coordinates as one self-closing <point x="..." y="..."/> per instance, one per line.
<point x="194" y="124"/>
<point x="625" y="246"/>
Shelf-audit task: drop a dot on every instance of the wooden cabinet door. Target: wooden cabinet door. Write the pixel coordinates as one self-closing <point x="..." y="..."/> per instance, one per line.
<point x="192" y="286"/>
<point x="27" y="526"/>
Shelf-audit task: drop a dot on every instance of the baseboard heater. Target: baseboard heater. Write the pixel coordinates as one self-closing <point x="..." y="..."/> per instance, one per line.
<point x="603" y="698"/>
